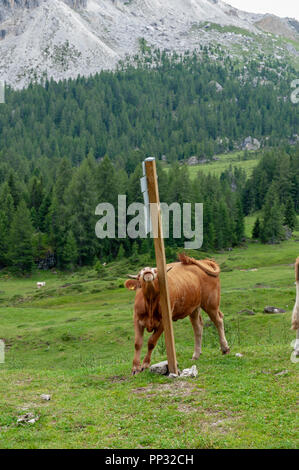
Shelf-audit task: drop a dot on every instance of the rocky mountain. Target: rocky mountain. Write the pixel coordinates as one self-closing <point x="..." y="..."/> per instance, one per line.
<point x="64" y="38"/>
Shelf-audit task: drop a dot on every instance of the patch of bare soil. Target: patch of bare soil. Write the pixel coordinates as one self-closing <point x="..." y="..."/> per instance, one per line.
<point x="210" y="419"/>
<point x="217" y="419"/>
<point x="117" y="378"/>
<point x="185" y="408"/>
<point x="25" y="380"/>
<point x="29" y="406"/>
<point x="174" y="388"/>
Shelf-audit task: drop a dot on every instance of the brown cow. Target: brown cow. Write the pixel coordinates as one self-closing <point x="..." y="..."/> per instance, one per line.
<point x="193" y="285"/>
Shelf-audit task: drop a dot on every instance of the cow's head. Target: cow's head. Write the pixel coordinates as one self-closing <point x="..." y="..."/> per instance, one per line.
<point x="144" y="278"/>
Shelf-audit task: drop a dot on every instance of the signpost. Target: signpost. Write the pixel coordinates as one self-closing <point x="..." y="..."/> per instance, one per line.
<point x="150" y="190"/>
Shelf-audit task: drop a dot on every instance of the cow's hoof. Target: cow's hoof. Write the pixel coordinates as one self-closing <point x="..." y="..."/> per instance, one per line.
<point x="136" y="370"/>
<point x="226" y="351"/>
<point x="145" y="366"/>
<point x="195" y="357"/>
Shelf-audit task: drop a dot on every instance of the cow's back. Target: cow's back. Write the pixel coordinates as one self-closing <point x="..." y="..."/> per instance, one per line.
<point x="190" y="287"/>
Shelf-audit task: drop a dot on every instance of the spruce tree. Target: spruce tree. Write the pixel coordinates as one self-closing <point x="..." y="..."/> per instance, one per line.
<point x="4" y="239"/>
<point x="70" y="252"/>
<point x="56" y="223"/>
<point x="121" y="252"/>
<point x="6" y="216"/>
<point x="256" y="229"/>
<point x="272" y="225"/>
<point x="290" y="219"/>
<point x="239" y="222"/>
<point x="80" y="200"/>
<point x="21" y="232"/>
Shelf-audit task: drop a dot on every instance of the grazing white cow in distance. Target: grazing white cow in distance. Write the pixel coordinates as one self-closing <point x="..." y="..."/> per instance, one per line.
<point x="40" y="284"/>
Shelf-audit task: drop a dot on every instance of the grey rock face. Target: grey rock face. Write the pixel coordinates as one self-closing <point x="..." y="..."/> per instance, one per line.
<point x="192" y="161"/>
<point x="217" y="85"/>
<point x="76" y="3"/>
<point x="251" y="143"/>
<point x="65" y="38"/>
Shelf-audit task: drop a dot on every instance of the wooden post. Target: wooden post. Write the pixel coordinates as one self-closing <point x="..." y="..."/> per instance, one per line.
<point x="153" y="192"/>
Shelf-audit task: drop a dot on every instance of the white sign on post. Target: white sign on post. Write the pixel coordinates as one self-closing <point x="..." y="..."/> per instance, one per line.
<point x="144" y="190"/>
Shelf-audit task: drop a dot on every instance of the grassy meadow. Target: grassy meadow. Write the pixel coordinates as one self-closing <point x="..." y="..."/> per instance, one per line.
<point x="73" y="339"/>
<point x="223" y="163"/>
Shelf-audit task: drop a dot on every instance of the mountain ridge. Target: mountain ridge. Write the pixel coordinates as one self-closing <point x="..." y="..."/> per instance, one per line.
<point x="65" y="38"/>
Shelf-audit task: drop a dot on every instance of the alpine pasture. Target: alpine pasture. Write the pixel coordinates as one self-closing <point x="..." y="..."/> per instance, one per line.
<point x="73" y="339"/>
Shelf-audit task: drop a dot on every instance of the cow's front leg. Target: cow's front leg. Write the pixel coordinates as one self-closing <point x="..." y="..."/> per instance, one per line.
<point x="150" y="346"/>
<point x="139" y="330"/>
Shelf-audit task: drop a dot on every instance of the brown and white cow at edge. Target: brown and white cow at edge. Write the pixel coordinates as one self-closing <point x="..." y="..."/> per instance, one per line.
<point x="193" y="285"/>
<point x="295" y="315"/>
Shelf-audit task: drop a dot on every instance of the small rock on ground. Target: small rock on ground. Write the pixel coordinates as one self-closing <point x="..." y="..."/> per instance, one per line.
<point x="192" y="372"/>
<point x="160" y="368"/>
<point x="283" y="372"/>
<point x="45" y="397"/>
<point x="29" y="418"/>
<point x="273" y="310"/>
<point x="246" y="311"/>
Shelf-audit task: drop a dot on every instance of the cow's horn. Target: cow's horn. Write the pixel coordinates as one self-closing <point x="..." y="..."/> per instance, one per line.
<point x="132" y="276"/>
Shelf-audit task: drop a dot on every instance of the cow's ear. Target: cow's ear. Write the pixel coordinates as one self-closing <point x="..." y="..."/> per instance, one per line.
<point x="132" y="284"/>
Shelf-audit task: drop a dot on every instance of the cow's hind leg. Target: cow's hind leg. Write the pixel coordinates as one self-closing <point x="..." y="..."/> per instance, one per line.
<point x="151" y="345"/>
<point x="197" y="324"/>
<point x="217" y="318"/>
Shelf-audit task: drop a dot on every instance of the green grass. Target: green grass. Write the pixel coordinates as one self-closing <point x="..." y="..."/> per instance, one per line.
<point x="207" y="25"/>
<point x="76" y="343"/>
<point x="216" y="167"/>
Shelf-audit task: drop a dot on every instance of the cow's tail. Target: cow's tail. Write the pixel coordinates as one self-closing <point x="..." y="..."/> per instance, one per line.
<point x="207" y="265"/>
<point x="295" y="316"/>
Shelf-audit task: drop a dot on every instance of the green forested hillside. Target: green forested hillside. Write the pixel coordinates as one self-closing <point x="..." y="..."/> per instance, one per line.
<point x="65" y="147"/>
<point x="166" y="105"/>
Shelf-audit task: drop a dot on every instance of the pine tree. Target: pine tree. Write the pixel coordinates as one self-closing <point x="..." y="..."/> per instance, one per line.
<point x="239" y="222"/>
<point x="4" y="239"/>
<point x="6" y="216"/>
<point x="56" y="223"/>
<point x="256" y="229"/>
<point x="80" y="199"/>
<point x="121" y="252"/>
<point x="7" y="203"/>
<point x="272" y="225"/>
<point x="70" y="252"/>
<point x="134" y="254"/>
<point x="21" y="232"/>
<point x="106" y="182"/>
<point x="290" y="219"/>
<point x="14" y="190"/>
